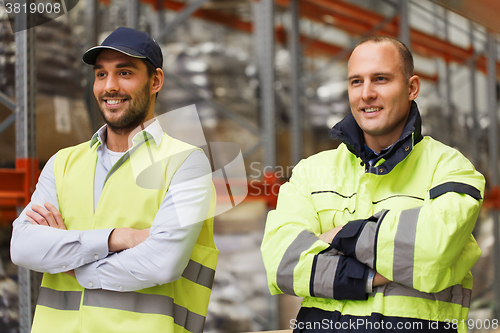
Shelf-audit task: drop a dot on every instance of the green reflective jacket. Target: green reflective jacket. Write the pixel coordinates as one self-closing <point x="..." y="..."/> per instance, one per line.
<point x="423" y="199"/>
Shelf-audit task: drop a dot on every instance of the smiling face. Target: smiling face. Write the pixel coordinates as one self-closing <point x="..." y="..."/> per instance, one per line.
<point x="379" y="94"/>
<point x="123" y="90"/>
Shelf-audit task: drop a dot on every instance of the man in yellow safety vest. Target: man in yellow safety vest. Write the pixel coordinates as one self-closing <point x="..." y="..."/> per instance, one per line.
<point x="119" y="256"/>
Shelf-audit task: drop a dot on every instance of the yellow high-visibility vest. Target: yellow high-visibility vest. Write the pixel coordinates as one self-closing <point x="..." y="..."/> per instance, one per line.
<point x="179" y="306"/>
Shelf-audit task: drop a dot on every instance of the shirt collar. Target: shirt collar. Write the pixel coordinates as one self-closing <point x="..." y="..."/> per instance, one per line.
<point x="372" y="155"/>
<point x="153" y="131"/>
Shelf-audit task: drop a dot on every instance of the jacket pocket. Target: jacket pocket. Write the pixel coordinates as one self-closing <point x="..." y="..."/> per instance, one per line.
<point x="333" y="208"/>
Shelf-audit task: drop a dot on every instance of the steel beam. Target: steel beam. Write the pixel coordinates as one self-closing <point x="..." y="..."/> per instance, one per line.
<point x="473" y="94"/>
<point x="7" y="122"/>
<point x="404" y="23"/>
<point x="493" y="147"/>
<point x="296" y="86"/>
<point x="264" y="43"/>
<point x="158" y="31"/>
<point x="447" y="81"/>
<point x="25" y="135"/>
<point x="210" y="15"/>
<point x="91" y="20"/>
<point x="8" y="102"/>
<point x="133" y="14"/>
<point x="187" y="11"/>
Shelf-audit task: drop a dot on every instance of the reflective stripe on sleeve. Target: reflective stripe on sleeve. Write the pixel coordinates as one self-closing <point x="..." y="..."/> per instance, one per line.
<point x="365" y="249"/>
<point x="455" y="187"/>
<point x="284" y="275"/>
<point x="324" y="275"/>
<point x="199" y="274"/>
<point x="60" y="300"/>
<point x="404" y="247"/>
<point x="455" y="294"/>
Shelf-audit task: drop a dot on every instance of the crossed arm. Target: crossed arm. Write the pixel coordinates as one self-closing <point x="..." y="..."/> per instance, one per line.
<point x="327" y="237"/>
<point x="119" y="239"/>
<point x="302" y="261"/>
<point x="120" y="259"/>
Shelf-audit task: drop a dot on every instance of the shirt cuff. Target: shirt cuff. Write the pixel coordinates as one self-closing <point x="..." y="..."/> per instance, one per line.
<point x="87" y="276"/>
<point x="95" y="244"/>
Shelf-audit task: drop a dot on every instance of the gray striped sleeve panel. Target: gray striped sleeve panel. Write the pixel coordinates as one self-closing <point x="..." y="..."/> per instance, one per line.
<point x="324" y="276"/>
<point x="404" y="247"/>
<point x="284" y="278"/>
<point x="365" y="246"/>
<point x="455" y="294"/>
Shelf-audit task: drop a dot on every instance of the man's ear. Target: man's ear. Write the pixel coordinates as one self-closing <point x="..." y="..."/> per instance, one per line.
<point x="158" y="79"/>
<point x="414" y="85"/>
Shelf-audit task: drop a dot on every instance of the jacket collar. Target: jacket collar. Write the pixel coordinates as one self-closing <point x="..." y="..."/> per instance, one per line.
<point x="348" y="131"/>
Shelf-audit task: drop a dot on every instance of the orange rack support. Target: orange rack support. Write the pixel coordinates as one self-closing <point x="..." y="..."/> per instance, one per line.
<point x="16" y="187"/>
<point x="492" y="199"/>
<point x="258" y="190"/>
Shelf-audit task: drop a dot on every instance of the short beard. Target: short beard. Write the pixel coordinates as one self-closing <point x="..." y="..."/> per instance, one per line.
<point x="134" y="116"/>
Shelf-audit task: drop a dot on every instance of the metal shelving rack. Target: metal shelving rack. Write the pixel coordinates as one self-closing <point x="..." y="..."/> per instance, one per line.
<point x="352" y="19"/>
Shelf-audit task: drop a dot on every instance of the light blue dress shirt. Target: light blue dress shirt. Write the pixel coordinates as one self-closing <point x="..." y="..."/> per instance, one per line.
<point x="160" y="259"/>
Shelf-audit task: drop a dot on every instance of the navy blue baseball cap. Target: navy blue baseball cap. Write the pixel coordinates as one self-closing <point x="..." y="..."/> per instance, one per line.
<point x="134" y="43"/>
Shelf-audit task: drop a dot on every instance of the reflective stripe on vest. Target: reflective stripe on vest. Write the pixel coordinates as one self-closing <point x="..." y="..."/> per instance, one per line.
<point x="127" y="301"/>
<point x="199" y="274"/>
<point x="60" y="300"/>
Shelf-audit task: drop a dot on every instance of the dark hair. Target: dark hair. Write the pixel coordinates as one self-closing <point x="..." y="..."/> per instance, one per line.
<point x="151" y="70"/>
<point x="404" y="53"/>
<point x="150" y="67"/>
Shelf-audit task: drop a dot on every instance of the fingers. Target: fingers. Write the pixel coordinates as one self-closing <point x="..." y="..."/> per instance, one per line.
<point x="30" y="219"/>
<point x="325" y="237"/>
<point x="71" y="273"/>
<point x="57" y="216"/>
<point x="48" y="215"/>
<point x="328" y="236"/>
<point x="36" y="216"/>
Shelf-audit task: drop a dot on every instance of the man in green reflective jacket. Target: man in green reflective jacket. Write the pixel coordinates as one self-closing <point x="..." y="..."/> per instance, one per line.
<point x="376" y="234"/>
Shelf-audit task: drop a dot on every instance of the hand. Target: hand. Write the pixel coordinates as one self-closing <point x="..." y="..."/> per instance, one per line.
<point x="71" y="273"/>
<point x="125" y="238"/>
<point x="328" y="236"/>
<point x="379" y="280"/>
<point x="48" y="216"/>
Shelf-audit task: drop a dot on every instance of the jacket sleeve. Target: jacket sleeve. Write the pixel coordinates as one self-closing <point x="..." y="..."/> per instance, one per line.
<point x="296" y="260"/>
<point x="429" y="248"/>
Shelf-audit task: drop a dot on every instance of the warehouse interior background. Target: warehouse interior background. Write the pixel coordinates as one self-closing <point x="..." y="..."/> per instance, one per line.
<point x="268" y="76"/>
